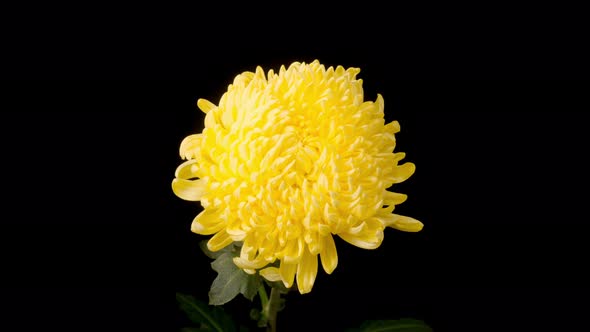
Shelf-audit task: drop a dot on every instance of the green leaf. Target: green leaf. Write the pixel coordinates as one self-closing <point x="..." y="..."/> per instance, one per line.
<point x="401" y="325"/>
<point x="250" y="288"/>
<point x="209" y="318"/>
<point x="229" y="282"/>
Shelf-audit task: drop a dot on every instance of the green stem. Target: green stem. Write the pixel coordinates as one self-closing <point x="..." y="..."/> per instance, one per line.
<point x="263" y="296"/>
<point x="272" y="308"/>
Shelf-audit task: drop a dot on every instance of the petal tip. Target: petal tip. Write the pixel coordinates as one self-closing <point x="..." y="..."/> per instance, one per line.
<point x="205" y="105"/>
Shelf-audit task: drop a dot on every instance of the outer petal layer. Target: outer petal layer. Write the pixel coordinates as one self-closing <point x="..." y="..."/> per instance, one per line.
<point x="403" y="223"/>
<point x="306" y="272"/>
<point x="190" y="190"/>
<point x="328" y="255"/>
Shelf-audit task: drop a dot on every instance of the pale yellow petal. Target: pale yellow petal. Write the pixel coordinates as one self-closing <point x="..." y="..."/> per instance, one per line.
<point x="367" y="235"/>
<point x="187" y="170"/>
<point x="205" y="105"/>
<point x="219" y="241"/>
<point x="244" y="263"/>
<point x="208" y="222"/>
<point x="328" y="255"/>
<point x="271" y="274"/>
<point x="403" y="223"/>
<point x="190" y="190"/>
<point x="361" y="242"/>
<point x="307" y="270"/>
<point x="190" y="146"/>
<point x="287" y="272"/>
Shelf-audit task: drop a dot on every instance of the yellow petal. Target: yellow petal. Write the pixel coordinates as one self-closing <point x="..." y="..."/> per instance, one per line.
<point x="391" y="198"/>
<point x="367" y="235"/>
<point x="249" y="259"/>
<point x="328" y="255"/>
<point x="205" y="105"/>
<point x="307" y="270"/>
<point x="190" y="190"/>
<point x="380" y="103"/>
<point x="219" y="241"/>
<point x="314" y="242"/>
<point x="293" y="251"/>
<point x="208" y="222"/>
<point x="402" y="172"/>
<point x="244" y="263"/>
<point x="287" y="272"/>
<point x="187" y="170"/>
<point x="392" y="127"/>
<point x="271" y="274"/>
<point x="190" y="146"/>
<point x="234" y="229"/>
<point x="403" y="223"/>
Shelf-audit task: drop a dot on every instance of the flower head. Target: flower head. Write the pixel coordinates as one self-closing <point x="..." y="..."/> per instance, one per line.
<point x="286" y="161"/>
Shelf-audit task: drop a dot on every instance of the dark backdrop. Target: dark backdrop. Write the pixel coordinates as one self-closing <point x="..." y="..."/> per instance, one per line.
<point x="93" y="238"/>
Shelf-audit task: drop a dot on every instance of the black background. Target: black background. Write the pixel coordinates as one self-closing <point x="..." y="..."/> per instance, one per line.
<point x="93" y="238"/>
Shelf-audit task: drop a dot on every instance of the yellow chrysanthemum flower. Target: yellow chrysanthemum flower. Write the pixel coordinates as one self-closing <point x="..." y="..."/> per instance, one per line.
<point x="289" y="159"/>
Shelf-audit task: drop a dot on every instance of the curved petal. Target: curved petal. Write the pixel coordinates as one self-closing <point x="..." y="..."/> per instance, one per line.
<point x="190" y="190"/>
<point x="401" y="173"/>
<point x="190" y="146"/>
<point x="271" y="274"/>
<point x="380" y="103"/>
<point x="307" y="270"/>
<point x="287" y="272"/>
<point x="234" y="229"/>
<point x="328" y="255"/>
<point x="219" y="241"/>
<point x="208" y="222"/>
<point x="403" y="223"/>
<point x="391" y="198"/>
<point x="205" y="105"/>
<point x="368" y="235"/>
<point x="244" y="263"/>
<point x="392" y="127"/>
<point x="187" y="170"/>
<point x="293" y="251"/>
<point x="314" y="242"/>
